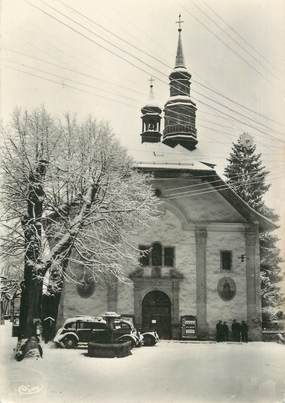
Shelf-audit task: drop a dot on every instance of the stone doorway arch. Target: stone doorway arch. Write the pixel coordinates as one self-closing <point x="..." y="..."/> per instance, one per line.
<point x="156" y="313"/>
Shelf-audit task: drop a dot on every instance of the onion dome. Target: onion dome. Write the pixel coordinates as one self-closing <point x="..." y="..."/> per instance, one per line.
<point x="151" y="117"/>
<point x="180" y="110"/>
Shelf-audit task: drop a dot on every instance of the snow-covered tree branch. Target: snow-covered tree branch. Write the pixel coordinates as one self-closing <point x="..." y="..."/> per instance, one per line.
<point x="70" y="196"/>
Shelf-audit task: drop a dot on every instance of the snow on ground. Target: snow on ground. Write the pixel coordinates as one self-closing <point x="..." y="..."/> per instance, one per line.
<point x="172" y="371"/>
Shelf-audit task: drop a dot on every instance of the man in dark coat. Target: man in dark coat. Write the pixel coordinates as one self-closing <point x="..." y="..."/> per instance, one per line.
<point x="219" y="331"/>
<point x="244" y="331"/>
<point x="48" y="328"/>
<point x="225" y="331"/>
<point x="236" y="330"/>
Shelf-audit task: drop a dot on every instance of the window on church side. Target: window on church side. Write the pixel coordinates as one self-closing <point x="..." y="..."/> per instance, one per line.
<point x="226" y="260"/>
<point x="158" y="255"/>
<point x="144" y="258"/>
<point x="169" y="256"/>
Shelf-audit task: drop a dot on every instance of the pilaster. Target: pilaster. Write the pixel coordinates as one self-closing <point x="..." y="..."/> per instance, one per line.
<point x="253" y="287"/>
<point x="175" y="323"/>
<point x="201" y="281"/>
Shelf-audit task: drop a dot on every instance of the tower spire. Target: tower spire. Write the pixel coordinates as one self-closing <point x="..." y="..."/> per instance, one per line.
<point x="180" y="110"/>
<point x="151" y="96"/>
<point x="179" y="61"/>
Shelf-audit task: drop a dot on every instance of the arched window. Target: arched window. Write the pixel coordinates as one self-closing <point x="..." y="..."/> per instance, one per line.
<point x="156" y="255"/>
<point x="144" y="257"/>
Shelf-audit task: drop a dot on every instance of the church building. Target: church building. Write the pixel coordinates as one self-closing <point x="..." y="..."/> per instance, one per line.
<point x="204" y="262"/>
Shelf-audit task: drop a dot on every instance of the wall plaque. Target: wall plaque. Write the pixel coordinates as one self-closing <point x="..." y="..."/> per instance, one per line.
<point x="226" y="288"/>
<point x="86" y="287"/>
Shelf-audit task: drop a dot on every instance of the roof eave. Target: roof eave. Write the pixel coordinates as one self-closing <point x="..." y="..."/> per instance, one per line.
<point x="242" y="207"/>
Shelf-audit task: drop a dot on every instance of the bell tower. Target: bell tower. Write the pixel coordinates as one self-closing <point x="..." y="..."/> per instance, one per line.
<point x="151" y="117"/>
<point x="180" y="110"/>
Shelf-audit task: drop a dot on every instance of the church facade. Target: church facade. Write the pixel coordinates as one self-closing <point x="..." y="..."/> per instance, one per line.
<point x="204" y="250"/>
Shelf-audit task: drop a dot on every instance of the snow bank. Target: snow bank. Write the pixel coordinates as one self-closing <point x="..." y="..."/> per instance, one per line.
<point x="169" y="372"/>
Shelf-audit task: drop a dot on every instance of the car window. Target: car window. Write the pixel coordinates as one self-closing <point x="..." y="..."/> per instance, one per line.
<point x="84" y="325"/>
<point x="70" y="325"/>
<point x="125" y="326"/>
<point x="117" y="324"/>
<point x="98" y="325"/>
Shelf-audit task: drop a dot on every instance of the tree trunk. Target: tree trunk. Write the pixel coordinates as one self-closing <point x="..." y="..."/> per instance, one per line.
<point x="30" y="309"/>
<point x="50" y="306"/>
<point x="30" y="306"/>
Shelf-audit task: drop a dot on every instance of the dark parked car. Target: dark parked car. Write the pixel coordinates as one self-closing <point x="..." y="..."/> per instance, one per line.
<point x="150" y="338"/>
<point x="83" y="329"/>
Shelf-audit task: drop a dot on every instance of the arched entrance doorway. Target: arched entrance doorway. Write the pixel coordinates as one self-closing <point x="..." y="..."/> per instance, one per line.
<point x="156" y="313"/>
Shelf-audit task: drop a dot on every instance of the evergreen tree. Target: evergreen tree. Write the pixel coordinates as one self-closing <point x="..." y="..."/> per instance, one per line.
<point x="246" y="174"/>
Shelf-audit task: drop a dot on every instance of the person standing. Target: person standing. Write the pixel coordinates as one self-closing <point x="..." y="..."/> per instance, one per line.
<point x="236" y="328"/>
<point x="244" y="331"/>
<point x="225" y="333"/>
<point x="48" y="328"/>
<point x="219" y="331"/>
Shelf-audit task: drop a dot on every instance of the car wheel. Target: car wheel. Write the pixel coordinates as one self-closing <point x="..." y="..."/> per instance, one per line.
<point x="70" y="342"/>
<point x="124" y="339"/>
<point x="148" y="341"/>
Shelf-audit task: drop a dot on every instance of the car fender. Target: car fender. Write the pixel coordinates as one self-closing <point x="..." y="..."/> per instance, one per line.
<point x="59" y="338"/>
<point x="129" y="336"/>
<point x="151" y="334"/>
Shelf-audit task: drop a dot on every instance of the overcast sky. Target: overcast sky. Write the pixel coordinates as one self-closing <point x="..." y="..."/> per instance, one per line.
<point x="234" y="47"/>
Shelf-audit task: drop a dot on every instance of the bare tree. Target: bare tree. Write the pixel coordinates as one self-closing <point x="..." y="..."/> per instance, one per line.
<point x="69" y="194"/>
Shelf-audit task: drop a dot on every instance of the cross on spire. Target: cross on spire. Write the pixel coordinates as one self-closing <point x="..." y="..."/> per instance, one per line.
<point x="179" y="22"/>
<point x="151" y="80"/>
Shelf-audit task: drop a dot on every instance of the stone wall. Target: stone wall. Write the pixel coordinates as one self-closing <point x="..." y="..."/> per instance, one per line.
<point x="125" y="304"/>
<point x="209" y="207"/>
<point x="169" y="232"/>
<point x="188" y="224"/>
<point x="217" y="309"/>
<point x="74" y="305"/>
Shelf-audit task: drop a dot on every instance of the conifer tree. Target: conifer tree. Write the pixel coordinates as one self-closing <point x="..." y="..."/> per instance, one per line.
<point x="246" y="174"/>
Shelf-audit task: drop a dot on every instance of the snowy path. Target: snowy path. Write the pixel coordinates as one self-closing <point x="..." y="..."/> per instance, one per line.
<point x="170" y="372"/>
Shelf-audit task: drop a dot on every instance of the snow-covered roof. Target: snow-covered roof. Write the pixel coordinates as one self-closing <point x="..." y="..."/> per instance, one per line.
<point x="151" y="103"/>
<point x="153" y="156"/>
<point x="185" y="98"/>
<point x="243" y="207"/>
<point x="158" y="155"/>
<point x="180" y="70"/>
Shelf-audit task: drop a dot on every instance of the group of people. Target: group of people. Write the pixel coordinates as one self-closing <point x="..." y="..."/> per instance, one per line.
<point x="239" y="331"/>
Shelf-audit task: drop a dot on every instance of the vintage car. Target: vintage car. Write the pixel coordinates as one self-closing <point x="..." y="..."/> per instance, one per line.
<point x="83" y="329"/>
<point x="150" y="338"/>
